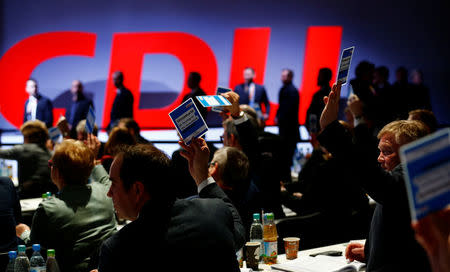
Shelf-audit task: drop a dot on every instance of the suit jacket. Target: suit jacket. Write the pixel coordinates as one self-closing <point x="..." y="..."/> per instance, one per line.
<point x="391" y="245"/>
<point x="10" y="215"/>
<point x="122" y="106"/>
<point x="316" y="107"/>
<point x="44" y="111"/>
<point x="287" y="114"/>
<point x="260" y="96"/>
<point x="33" y="170"/>
<point x="78" y="111"/>
<point x="193" y="94"/>
<point x="200" y="234"/>
<point x="76" y="221"/>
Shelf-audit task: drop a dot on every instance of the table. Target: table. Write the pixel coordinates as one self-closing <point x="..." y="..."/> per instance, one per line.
<point x="282" y="257"/>
<point x="30" y="205"/>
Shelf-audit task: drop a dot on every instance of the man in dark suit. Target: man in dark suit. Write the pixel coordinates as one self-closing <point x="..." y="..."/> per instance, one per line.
<point x="253" y="94"/>
<point x="317" y="105"/>
<point x="79" y="107"/>
<point x="287" y="119"/>
<point x="10" y="216"/>
<point x="123" y="103"/>
<point x="37" y="107"/>
<point x="391" y="222"/>
<point x="201" y="233"/>
<point x="193" y="83"/>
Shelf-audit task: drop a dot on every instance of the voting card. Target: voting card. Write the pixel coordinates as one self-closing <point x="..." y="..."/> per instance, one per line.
<point x="213" y="101"/>
<point x="344" y="65"/>
<point x="426" y="165"/>
<point x="90" y="120"/>
<point x="220" y="90"/>
<point x="188" y="121"/>
<point x="55" y="134"/>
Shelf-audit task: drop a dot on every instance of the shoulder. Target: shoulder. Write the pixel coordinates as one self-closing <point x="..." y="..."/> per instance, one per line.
<point x="239" y="87"/>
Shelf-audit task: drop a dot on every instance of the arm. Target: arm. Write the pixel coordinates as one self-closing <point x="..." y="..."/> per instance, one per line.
<point x="12" y="153"/>
<point x="100" y="175"/>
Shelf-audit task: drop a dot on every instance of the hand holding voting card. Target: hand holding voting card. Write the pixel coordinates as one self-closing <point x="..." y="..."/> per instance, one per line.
<point x="344" y="65"/>
<point x="90" y="120"/>
<point x="188" y="121"/>
<point x="426" y="165"/>
<point x="220" y="90"/>
<point x="217" y="102"/>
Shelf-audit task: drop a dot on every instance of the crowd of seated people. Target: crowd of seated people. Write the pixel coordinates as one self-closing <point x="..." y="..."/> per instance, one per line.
<point x="202" y="199"/>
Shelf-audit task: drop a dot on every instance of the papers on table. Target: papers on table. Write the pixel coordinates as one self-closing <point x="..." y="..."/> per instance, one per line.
<point x="426" y="163"/>
<point x="188" y="121"/>
<point x="319" y="263"/>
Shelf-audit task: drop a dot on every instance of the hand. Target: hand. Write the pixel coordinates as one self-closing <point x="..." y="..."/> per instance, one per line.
<point x="331" y="110"/>
<point x="234" y="109"/>
<point x="63" y="126"/>
<point x="20" y="228"/>
<point x="433" y="233"/>
<point x="355" y="105"/>
<point x="355" y="251"/>
<point x="93" y="144"/>
<point x="197" y="154"/>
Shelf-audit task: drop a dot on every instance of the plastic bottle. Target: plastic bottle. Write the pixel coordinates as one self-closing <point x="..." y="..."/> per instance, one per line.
<point x="270" y="240"/>
<point x="49" y="195"/>
<point x="256" y="232"/>
<point x="12" y="259"/>
<point x="52" y="264"/>
<point x="37" y="262"/>
<point x="44" y="197"/>
<point x="22" y="264"/>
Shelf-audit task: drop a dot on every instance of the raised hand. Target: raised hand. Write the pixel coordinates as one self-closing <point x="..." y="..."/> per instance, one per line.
<point x="234" y="109"/>
<point x="331" y="110"/>
<point x="197" y="154"/>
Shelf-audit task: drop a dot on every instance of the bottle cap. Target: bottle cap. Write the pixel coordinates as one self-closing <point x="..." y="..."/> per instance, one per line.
<point x="256" y="216"/>
<point x="270" y="216"/>
<point x="12" y="254"/>
<point x="21" y="248"/>
<point x="49" y="194"/>
<point x="50" y="253"/>
<point x="36" y="247"/>
<point x="44" y="195"/>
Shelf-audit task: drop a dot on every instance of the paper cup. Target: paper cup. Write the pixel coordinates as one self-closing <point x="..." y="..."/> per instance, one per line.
<point x="291" y="247"/>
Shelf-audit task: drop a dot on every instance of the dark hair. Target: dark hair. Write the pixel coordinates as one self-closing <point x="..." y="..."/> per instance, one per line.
<point x="231" y="129"/>
<point x="117" y="138"/>
<point x="130" y="123"/>
<point x="425" y="116"/>
<point x="195" y="77"/>
<point x="325" y="74"/>
<point x="363" y="68"/>
<point x="290" y="72"/>
<point x="233" y="165"/>
<point x="383" y="71"/>
<point x="149" y="165"/>
<point x="35" y="132"/>
<point x="251" y="68"/>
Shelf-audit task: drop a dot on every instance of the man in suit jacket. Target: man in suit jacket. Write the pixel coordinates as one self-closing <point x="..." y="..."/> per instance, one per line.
<point x="287" y="119"/>
<point x="123" y="102"/>
<point x="391" y="222"/>
<point x="253" y="94"/>
<point x="200" y="234"/>
<point x="193" y="83"/>
<point x="79" y="107"/>
<point x="316" y="106"/>
<point x="37" y="107"/>
<point x="80" y="216"/>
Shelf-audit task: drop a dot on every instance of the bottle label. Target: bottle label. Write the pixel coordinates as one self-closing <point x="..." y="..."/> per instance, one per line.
<point x="38" y="269"/>
<point x="270" y="249"/>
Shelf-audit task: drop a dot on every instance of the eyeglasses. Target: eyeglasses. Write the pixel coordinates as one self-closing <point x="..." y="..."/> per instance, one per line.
<point x="211" y="163"/>
<point x="50" y="163"/>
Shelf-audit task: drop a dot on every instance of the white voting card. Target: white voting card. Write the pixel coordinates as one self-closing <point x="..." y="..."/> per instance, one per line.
<point x="426" y="163"/>
<point x="344" y="65"/>
<point x="220" y="90"/>
<point x="213" y="101"/>
<point x="188" y="121"/>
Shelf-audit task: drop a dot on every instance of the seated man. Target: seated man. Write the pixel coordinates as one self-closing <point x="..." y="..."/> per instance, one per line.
<point x="32" y="158"/>
<point x="391" y="245"/>
<point x="80" y="217"/>
<point x="197" y="234"/>
<point x="229" y="167"/>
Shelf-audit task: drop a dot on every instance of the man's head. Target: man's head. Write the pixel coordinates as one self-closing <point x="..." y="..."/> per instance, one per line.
<point x="249" y="75"/>
<point x="72" y="163"/>
<point x="364" y="71"/>
<point x="76" y="88"/>
<point x="35" y="132"/>
<point x="286" y="76"/>
<point x="417" y="77"/>
<point x="324" y="77"/>
<point x="31" y="87"/>
<point x="393" y="136"/>
<point x="117" y="138"/>
<point x="229" y="167"/>
<point x="401" y="74"/>
<point x="118" y="79"/>
<point x="194" y="79"/>
<point x="81" y="130"/>
<point x="230" y="134"/>
<point x="425" y="116"/>
<point x="381" y="75"/>
<point x="139" y="173"/>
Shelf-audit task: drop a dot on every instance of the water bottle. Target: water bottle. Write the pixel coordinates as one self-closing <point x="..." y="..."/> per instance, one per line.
<point x="37" y="262"/>
<point x="52" y="264"/>
<point x="12" y="259"/>
<point x="256" y="232"/>
<point x="49" y="195"/>
<point x="270" y="240"/>
<point x="22" y="264"/>
<point x="44" y="197"/>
